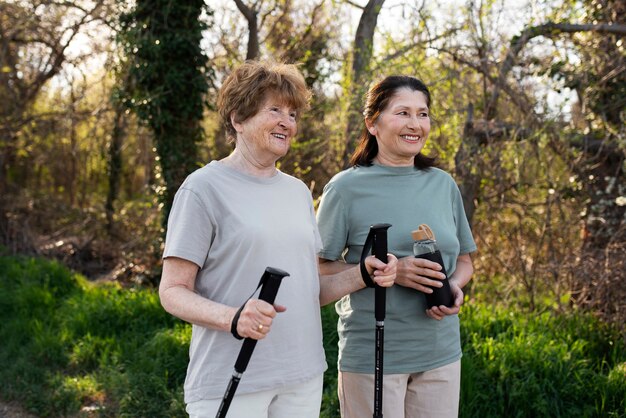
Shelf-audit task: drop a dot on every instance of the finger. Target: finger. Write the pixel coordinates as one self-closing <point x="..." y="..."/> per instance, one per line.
<point x="427" y="264"/>
<point x="374" y="263"/>
<point x="433" y="315"/>
<point x="429" y="281"/>
<point x="265" y="309"/>
<point x="280" y="308"/>
<point x="431" y="274"/>
<point x="384" y="281"/>
<point x="258" y="332"/>
<point x="418" y="286"/>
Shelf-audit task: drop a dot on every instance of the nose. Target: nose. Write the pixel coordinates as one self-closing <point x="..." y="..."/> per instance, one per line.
<point x="286" y="120"/>
<point x="414" y="123"/>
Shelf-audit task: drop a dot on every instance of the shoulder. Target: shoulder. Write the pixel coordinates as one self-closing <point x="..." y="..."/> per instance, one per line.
<point x="347" y="177"/>
<point x="293" y="182"/>
<point x="200" y="177"/>
<point x="441" y="174"/>
<point x="437" y="175"/>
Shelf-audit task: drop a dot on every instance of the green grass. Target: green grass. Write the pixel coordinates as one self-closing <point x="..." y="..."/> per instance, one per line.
<point x="524" y="365"/>
<point x="66" y="343"/>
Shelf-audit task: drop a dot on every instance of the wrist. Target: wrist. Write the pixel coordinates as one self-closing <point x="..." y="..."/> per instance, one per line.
<point x="234" y="321"/>
<point x="365" y="275"/>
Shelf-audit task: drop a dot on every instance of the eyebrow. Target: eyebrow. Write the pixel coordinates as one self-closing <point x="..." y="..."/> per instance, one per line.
<point x="401" y="107"/>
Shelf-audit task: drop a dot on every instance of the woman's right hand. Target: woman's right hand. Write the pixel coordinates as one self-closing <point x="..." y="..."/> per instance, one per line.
<point x="255" y="320"/>
<point x="418" y="274"/>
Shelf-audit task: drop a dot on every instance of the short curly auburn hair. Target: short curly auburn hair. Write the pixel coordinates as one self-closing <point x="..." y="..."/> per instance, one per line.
<point x="245" y="89"/>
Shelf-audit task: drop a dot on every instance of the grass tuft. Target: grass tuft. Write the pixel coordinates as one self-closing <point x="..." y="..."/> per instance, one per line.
<point x="68" y="344"/>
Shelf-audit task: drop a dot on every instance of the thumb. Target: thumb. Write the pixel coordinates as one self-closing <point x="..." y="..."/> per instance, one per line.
<point x="280" y="308"/>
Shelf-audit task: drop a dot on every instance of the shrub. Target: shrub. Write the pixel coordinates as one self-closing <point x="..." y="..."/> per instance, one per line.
<point x="67" y="343"/>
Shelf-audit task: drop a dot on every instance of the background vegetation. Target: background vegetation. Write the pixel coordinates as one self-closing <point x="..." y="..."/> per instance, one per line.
<point x="105" y="106"/>
<point x="75" y="347"/>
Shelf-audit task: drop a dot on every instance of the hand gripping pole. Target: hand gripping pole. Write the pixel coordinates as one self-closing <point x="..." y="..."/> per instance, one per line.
<point x="270" y="282"/>
<point x="377" y="241"/>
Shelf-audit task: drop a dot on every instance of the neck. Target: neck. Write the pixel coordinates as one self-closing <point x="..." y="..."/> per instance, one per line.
<point x="246" y="163"/>
<point x="393" y="162"/>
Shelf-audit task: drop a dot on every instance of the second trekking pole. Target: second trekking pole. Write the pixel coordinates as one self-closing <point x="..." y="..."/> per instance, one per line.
<point x="270" y="282"/>
<point x="377" y="242"/>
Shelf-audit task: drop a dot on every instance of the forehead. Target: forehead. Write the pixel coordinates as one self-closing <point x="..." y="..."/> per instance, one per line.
<point x="277" y="98"/>
<point x="405" y="97"/>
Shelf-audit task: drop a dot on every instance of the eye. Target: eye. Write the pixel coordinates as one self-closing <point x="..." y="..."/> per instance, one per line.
<point x="402" y="113"/>
<point x="423" y="115"/>
<point x="293" y="115"/>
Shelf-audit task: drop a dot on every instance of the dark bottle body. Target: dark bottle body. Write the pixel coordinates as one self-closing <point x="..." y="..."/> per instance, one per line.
<point x="441" y="295"/>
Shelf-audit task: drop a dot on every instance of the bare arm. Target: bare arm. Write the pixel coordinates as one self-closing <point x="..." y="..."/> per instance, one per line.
<point x="338" y="279"/>
<point x="178" y="297"/>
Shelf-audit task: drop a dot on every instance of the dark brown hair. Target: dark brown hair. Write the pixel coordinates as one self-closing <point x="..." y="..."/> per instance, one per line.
<point x="244" y="90"/>
<point x="376" y="101"/>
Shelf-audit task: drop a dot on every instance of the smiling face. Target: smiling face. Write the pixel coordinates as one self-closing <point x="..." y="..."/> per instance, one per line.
<point x="402" y="128"/>
<point x="266" y="136"/>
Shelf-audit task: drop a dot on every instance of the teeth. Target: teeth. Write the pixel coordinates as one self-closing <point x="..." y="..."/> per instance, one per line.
<point x="411" y="137"/>
<point x="280" y="136"/>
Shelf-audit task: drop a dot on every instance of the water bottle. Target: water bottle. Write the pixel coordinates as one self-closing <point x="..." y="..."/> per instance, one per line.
<point x="425" y="246"/>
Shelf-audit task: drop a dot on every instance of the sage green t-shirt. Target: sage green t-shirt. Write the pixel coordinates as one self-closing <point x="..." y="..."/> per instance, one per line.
<point x="404" y="197"/>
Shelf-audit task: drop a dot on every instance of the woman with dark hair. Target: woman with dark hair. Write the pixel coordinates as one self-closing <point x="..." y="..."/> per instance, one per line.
<point x="392" y="181"/>
<point x="230" y="220"/>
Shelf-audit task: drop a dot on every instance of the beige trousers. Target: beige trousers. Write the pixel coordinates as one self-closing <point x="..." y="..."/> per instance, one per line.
<point x="431" y="394"/>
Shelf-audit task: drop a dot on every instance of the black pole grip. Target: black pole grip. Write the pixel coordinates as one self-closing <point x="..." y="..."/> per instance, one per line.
<point x="271" y="280"/>
<point x="379" y="249"/>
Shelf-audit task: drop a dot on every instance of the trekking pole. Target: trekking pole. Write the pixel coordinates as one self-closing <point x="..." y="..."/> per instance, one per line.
<point x="270" y="282"/>
<point x="377" y="240"/>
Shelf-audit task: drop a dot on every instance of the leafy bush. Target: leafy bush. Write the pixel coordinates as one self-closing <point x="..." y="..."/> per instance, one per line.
<point x="531" y="365"/>
<point x="68" y="344"/>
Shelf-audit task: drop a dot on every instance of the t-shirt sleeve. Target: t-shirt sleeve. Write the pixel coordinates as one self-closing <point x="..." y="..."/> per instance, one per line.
<point x="332" y="223"/>
<point x="190" y="228"/>
<point x="463" y="230"/>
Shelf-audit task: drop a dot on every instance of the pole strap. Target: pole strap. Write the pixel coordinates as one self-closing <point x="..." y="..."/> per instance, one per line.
<point x="367" y="279"/>
<point x="235" y="321"/>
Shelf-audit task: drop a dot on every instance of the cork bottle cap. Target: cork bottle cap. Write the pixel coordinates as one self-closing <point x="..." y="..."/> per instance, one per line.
<point x="423" y="232"/>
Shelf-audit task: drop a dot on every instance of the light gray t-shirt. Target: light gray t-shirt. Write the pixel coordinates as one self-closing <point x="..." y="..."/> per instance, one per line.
<point x="404" y="197"/>
<point x="233" y="226"/>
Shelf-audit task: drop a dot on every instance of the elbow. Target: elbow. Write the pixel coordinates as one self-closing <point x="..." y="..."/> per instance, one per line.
<point x="165" y="299"/>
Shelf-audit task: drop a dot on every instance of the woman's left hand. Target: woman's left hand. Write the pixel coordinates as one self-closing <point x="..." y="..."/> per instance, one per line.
<point x="439" y="312"/>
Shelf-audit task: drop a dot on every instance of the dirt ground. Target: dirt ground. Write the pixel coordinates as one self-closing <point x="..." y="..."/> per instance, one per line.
<point x="10" y="410"/>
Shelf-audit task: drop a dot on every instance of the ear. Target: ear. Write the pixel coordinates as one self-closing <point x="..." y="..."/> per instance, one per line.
<point x="371" y="127"/>
<point x="233" y="121"/>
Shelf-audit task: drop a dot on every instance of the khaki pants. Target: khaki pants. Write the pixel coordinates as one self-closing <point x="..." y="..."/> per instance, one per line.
<point x="431" y="394"/>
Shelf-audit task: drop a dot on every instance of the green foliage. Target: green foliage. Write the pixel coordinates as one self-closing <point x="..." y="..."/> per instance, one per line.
<point x="68" y="343"/>
<point x="330" y="402"/>
<point x="540" y="365"/>
<point x="166" y="79"/>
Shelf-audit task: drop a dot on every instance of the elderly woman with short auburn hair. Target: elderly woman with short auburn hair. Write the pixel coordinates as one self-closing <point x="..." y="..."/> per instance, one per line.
<point x="230" y="220"/>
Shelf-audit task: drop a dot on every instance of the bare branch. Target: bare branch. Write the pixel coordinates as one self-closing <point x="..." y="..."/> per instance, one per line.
<point x="353" y="4"/>
<point x="549" y="29"/>
<point x="253" y="29"/>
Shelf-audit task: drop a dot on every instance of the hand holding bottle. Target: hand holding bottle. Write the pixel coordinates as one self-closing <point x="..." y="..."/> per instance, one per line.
<point x="425" y="246"/>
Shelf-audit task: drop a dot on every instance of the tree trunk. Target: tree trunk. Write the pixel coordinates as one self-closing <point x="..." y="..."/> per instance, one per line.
<point x="253" y="29"/>
<point x="468" y="181"/>
<point x="361" y="57"/>
<point x="115" y="165"/>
